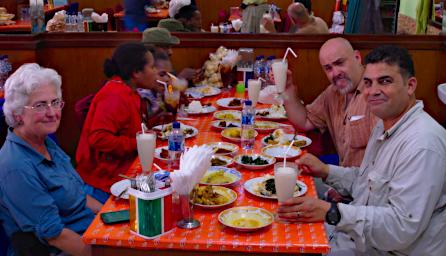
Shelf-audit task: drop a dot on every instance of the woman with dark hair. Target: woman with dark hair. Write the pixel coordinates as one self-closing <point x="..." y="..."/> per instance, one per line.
<point x="107" y="145"/>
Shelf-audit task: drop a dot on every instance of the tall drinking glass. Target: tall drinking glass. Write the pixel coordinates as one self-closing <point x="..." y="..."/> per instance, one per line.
<point x="285" y="178"/>
<point x="172" y="98"/>
<point x="146" y="144"/>
<point x="280" y="74"/>
<point x="254" y="90"/>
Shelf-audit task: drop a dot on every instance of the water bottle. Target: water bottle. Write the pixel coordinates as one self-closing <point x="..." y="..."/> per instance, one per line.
<point x="176" y="145"/>
<point x="80" y="22"/>
<point x="268" y="70"/>
<point x="259" y="67"/>
<point x="247" y="134"/>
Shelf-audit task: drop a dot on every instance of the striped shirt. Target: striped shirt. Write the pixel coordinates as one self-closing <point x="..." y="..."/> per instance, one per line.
<point x="349" y="125"/>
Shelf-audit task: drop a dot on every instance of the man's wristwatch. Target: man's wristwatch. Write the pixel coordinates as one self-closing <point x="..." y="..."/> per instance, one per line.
<point x="333" y="216"/>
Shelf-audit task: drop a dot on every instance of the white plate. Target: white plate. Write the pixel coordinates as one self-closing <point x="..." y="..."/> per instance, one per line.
<point x="224" y="103"/>
<point x="228" y="115"/>
<point x="202" y="91"/>
<point x="278" y="151"/>
<point x="289" y="137"/>
<point x="226" y="133"/>
<point x="164" y="135"/>
<point x="251" y="184"/>
<point x="158" y="153"/>
<point x="238" y="217"/>
<point x="271" y="161"/>
<point x="271" y="115"/>
<point x="224" y="145"/>
<point x="230" y="194"/>
<point x="204" y="110"/>
<point x="265" y="126"/>
<point x="233" y="173"/>
<point x="227" y="159"/>
<point x="216" y="124"/>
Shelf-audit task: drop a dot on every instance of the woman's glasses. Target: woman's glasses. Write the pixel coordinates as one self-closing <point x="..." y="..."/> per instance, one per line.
<point x="43" y="106"/>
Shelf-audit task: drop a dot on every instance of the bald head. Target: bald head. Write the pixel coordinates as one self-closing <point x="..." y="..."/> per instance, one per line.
<point x="298" y="13"/>
<point x="341" y="63"/>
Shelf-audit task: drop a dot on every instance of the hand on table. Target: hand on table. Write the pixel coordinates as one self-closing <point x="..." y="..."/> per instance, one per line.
<point x="304" y="209"/>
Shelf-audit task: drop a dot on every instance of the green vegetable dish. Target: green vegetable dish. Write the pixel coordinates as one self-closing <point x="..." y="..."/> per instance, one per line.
<point x="254" y="161"/>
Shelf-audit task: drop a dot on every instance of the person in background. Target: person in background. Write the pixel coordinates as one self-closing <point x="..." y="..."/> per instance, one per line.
<point x="184" y="17"/>
<point x="161" y="39"/>
<point x="107" y="145"/>
<point x="253" y="11"/>
<point x="303" y="22"/>
<point x="135" y="18"/>
<point x="41" y="194"/>
<point x="399" y="189"/>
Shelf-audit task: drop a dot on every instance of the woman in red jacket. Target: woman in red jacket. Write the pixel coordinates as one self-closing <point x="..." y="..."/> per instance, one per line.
<point x="107" y="145"/>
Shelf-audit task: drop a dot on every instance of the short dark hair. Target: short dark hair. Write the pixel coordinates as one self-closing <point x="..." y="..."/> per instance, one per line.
<point x="187" y="12"/>
<point x="306" y="3"/>
<point x="392" y="55"/>
<point x="126" y="59"/>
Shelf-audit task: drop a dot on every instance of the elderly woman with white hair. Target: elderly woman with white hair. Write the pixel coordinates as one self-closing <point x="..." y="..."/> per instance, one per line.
<point x="40" y="192"/>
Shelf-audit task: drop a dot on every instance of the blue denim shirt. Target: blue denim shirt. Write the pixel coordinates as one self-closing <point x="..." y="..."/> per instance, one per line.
<point x="38" y="195"/>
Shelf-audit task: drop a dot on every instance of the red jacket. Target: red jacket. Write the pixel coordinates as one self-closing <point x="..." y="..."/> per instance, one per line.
<point x="107" y="144"/>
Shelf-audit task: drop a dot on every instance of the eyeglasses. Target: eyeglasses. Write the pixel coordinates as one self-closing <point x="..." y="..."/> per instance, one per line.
<point x="43" y="106"/>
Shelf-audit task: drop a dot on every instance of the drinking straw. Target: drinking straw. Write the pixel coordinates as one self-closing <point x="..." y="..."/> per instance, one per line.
<point x="261" y="79"/>
<point x="286" y="153"/>
<point x="163" y="83"/>
<point x="158" y="167"/>
<point x="286" y="53"/>
<point x="171" y="75"/>
<point x="142" y="128"/>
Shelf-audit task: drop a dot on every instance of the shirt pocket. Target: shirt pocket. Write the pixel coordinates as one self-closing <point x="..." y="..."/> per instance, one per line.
<point x="359" y="133"/>
<point x="379" y="188"/>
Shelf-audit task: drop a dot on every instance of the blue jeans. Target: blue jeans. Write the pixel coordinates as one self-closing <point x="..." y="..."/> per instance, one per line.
<point x="96" y="193"/>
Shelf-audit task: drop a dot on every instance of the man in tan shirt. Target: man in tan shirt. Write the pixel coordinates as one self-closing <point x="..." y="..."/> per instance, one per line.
<point x="339" y="108"/>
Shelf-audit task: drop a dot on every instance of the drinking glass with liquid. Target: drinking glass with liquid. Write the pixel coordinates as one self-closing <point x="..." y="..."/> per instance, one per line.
<point x="146" y="144"/>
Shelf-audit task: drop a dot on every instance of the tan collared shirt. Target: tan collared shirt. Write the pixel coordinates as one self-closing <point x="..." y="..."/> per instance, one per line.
<point x="349" y="125"/>
<point x="399" y="190"/>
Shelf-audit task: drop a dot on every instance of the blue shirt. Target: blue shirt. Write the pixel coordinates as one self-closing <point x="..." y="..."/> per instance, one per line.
<point x="39" y="195"/>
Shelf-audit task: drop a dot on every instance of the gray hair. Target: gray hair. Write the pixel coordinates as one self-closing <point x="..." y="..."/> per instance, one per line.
<point x="22" y="83"/>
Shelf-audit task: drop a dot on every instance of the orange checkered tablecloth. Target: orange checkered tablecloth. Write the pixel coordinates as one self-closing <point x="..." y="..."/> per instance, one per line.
<point x="211" y="235"/>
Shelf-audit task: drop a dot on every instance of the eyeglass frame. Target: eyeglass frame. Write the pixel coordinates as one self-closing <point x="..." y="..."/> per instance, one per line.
<point x="56" y="104"/>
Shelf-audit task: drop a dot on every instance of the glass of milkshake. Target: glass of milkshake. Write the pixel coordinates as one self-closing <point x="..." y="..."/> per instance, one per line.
<point x="285" y="178"/>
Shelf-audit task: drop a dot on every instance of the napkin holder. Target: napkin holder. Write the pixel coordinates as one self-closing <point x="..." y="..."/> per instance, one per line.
<point x="151" y="213"/>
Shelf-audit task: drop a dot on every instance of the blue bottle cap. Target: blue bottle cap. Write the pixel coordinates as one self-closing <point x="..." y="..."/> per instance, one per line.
<point x="248" y="103"/>
<point x="260" y="57"/>
<point x="176" y="125"/>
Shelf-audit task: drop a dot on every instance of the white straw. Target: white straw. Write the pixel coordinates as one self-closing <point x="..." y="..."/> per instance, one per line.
<point x="142" y="128"/>
<point x="286" y="153"/>
<point x="171" y="75"/>
<point x="261" y="79"/>
<point x="286" y="54"/>
<point x="158" y="167"/>
<point x="163" y="83"/>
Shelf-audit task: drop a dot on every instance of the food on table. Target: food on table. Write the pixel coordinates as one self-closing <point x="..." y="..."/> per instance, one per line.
<point x="226" y="124"/>
<point x="218" y="177"/>
<point x="168" y="129"/>
<point x="235" y="103"/>
<point x="218" y="162"/>
<point x="195" y="107"/>
<point x="254" y="161"/>
<point x="246" y="223"/>
<point x="206" y="195"/>
<point x="268" y="188"/>
<point x="265" y="125"/>
<point x="280" y="137"/>
<point x="227" y="116"/>
<point x="218" y="150"/>
<point x="236" y="133"/>
<point x="275" y="111"/>
<point x="164" y="153"/>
